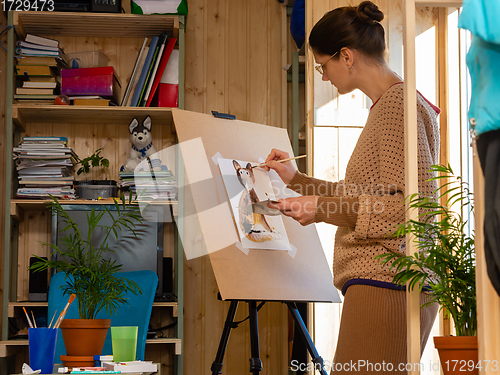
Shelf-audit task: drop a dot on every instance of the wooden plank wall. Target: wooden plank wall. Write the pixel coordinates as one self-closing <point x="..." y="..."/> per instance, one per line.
<point x="234" y="65"/>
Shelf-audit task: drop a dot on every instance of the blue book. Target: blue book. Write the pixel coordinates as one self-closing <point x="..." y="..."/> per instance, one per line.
<point x="161" y="44"/>
<point x="46" y="138"/>
<point x="144" y="73"/>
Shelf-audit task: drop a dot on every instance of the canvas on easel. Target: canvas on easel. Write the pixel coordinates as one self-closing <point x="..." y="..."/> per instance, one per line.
<point x="302" y="275"/>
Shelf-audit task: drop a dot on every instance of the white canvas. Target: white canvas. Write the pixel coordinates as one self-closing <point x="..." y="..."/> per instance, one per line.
<point x="244" y="186"/>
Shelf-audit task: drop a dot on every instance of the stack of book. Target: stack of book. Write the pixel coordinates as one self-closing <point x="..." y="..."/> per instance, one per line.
<point x="39" y="61"/>
<point x="150" y="66"/>
<point x="160" y="185"/>
<point x="45" y="167"/>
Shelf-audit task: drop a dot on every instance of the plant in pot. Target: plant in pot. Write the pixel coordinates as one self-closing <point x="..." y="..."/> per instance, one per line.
<point x="444" y="264"/>
<point x="95" y="189"/>
<point x="89" y="273"/>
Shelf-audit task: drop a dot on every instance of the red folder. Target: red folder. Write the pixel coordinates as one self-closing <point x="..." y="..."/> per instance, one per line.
<point x="161" y="68"/>
<point x="168" y="95"/>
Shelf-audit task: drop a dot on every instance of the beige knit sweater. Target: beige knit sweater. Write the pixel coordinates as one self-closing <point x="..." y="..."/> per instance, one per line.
<point x="369" y="203"/>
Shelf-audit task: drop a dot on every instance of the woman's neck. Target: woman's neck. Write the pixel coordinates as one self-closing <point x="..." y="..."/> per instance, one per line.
<point x="375" y="80"/>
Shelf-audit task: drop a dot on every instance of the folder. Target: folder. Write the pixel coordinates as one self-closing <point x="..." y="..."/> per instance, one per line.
<point x="144" y="73"/>
<point x="161" y="69"/>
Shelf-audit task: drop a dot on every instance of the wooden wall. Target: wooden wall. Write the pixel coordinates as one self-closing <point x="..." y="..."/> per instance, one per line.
<point x="233" y="64"/>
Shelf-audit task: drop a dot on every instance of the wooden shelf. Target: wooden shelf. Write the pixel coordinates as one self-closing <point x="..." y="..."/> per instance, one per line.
<point x="18" y="206"/>
<point x="177" y="342"/>
<point x="23" y="113"/>
<point x="13" y="305"/>
<point x="94" y="24"/>
<point x="9" y="346"/>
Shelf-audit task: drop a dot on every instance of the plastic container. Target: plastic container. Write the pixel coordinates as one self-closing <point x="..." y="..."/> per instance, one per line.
<point x="97" y="190"/>
<point x="86" y="59"/>
<point x="124" y="341"/>
<point x="42" y="348"/>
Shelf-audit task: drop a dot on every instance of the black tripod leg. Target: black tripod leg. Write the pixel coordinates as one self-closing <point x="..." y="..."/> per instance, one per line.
<point x="217" y="364"/>
<point x="317" y="360"/>
<point x="255" y="362"/>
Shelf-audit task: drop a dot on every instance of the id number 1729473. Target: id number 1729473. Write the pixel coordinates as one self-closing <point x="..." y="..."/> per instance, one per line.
<point x="28" y="5"/>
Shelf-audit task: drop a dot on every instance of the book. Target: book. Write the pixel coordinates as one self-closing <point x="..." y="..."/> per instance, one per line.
<point x="154" y="70"/>
<point x="41" y="40"/>
<point x="132" y="366"/>
<point x="34" y="91"/>
<point x="34" y="70"/>
<point x="134" y="73"/>
<point x="49" y="138"/>
<point x="144" y="73"/>
<point x="35" y="52"/>
<point x="39" y="79"/>
<point x="92" y="102"/>
<point x="85" y="97"/>
<point x="153" y="65"/>
<point x="40" y="84"/>
<point x="48" y="99"/>
<point x="139" y="70"/>
<point x="25" y="44"/>
<point x="161" y="68"/>
<point x="41" y="60"/>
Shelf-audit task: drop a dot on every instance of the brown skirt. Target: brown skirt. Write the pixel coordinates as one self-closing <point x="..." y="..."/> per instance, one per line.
<point x="372" y="336"/>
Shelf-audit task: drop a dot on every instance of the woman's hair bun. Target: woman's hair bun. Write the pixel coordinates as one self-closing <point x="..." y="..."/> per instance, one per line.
<point x="369" y="13"/>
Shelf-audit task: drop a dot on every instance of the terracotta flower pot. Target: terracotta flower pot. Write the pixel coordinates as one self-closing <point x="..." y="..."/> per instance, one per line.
<point x="458" y="354"/>
<point x="84" y="337"/>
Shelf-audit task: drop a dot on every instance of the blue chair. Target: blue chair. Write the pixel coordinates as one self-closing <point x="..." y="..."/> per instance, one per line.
<point x="134" y="313"/>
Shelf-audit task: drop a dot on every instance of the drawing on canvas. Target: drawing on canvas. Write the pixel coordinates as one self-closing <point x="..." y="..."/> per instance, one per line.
<point x="244" y="186"/>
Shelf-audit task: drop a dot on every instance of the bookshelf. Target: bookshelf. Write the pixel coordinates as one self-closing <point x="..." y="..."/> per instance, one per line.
<point x="27" y="222"/>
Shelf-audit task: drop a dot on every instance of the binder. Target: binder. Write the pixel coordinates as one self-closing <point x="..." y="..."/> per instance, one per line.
<point x="164" y="59"/>
<point x="133" y="76"/>
<point x="144" y="73"/>
<point x="152" y="68"/>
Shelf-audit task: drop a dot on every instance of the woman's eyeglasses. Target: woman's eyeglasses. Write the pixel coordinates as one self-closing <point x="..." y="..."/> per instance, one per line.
<point x="320" y="68"/>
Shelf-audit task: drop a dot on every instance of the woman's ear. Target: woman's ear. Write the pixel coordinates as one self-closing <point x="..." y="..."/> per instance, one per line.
<point x="347" y="56"/>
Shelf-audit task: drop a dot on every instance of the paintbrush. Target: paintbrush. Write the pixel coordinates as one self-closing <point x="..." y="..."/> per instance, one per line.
<point x="34" y="321"/>
<point x="28" y="318"/>
<point x="280" y="161"/>
<point x="53" y="318"/>
<point x="61" y="316"/>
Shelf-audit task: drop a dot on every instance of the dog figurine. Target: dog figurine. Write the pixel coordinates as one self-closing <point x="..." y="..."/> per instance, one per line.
<point x="142" y="146"/>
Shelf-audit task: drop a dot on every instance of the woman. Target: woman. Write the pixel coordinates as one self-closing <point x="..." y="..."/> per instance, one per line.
<point x="348" y="46"/>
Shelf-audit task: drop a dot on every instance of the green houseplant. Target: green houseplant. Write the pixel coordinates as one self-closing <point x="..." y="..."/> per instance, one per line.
<point x="445" y="262"/>
<point x="94" y="189"/>
<point x="95" y="160"/>
<point x="90" y="275"/>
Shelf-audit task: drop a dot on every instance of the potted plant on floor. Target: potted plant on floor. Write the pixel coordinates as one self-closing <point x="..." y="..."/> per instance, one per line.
<point x="90" y="274"/>
<point x="95" y="189"/>
<point x="445" y="264"/>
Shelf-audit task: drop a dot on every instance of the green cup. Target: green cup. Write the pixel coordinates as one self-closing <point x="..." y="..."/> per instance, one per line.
<point x="124" y="342"/>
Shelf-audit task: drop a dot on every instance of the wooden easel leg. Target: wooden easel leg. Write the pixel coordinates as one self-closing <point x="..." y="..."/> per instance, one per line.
<point x="317" y="360"/>
<point x="217" y="364"/>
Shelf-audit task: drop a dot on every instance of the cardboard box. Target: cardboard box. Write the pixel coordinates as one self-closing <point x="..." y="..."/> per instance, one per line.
<point x="101" y="81"/>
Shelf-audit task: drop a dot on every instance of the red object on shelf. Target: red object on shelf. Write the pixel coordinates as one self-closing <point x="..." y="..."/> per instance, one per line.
<point x="168" y="95"/>
<point x="100" y="81"/>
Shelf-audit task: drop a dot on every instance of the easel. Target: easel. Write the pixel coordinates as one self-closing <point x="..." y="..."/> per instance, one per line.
<point x="255" y="362"/>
